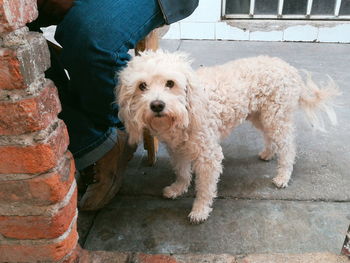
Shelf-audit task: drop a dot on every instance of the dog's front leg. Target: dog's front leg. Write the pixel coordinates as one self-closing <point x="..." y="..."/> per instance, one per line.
<point x="207" y="169"/>
<point x="182" y="167"/>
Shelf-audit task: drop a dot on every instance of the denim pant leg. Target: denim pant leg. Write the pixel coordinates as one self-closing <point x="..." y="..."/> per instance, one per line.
<point x="96" y="36"/>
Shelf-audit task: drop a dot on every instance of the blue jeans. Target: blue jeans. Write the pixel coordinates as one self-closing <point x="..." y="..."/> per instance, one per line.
<point x="96" y="36"/>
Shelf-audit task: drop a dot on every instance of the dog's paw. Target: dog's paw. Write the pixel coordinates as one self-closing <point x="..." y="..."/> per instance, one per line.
<point x="173" y="191"/>
<point x="280" y="181"/>
<point x="199" y="216"/>
<point x="266" y="155"/>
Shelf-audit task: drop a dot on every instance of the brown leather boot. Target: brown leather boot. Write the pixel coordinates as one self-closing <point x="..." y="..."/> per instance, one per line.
<point x="104" y="178"/>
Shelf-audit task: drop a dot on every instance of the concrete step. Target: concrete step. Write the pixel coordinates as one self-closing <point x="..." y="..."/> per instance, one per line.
<point x="115" y="257"/>
<point x="153" y="225"/>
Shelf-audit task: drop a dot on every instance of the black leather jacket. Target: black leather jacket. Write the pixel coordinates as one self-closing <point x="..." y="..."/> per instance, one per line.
<point x="175" y="10"/>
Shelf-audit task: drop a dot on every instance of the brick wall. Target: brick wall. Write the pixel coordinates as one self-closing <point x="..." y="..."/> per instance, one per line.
<point x="37" y="187"/>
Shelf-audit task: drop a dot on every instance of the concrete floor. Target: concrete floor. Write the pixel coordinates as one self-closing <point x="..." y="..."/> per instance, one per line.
<point x="250" y="214"/>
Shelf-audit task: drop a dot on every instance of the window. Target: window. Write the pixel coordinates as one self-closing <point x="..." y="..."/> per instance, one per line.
<point x="287" y="9"/>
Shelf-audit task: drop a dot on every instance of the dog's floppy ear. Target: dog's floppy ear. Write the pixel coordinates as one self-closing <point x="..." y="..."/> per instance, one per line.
<point x="194" y="99"/>
<point x="194" y="91"/>
<point x="126" y="113"/>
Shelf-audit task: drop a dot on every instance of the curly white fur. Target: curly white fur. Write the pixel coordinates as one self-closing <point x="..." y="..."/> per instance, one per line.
<point x="205" y="106"/>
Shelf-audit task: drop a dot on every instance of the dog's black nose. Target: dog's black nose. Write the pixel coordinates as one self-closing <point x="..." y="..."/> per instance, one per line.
<point x="157" y="106"/>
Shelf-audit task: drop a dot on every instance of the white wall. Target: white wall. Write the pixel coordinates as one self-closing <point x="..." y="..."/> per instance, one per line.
<point x="206" y="23"/>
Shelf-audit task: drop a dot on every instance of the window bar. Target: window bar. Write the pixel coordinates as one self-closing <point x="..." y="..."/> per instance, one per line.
<point x="223" y="9"/>
<point x="308" y="8"/>
<point x="280" y="8"/>
<point x="337" y="7"/>
<point x="252" y="6"/>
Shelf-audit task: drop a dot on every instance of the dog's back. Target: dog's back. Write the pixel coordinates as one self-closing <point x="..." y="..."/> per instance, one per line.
<point x="251" y="85"/>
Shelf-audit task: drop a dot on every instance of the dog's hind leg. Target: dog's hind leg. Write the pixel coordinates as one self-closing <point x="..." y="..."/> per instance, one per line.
<point x="207" y="169"/>
<point x="280" y="131"/>
<point x="269" y="151"/>
<point x="182" y="167"/>
<point x="286" y="155"/>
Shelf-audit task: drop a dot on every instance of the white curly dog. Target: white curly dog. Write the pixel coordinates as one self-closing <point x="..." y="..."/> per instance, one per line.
<point x="191" y="111"/>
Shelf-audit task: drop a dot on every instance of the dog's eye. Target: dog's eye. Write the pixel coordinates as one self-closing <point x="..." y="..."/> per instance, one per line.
<point x="143" y="86"/>
<point x="170" y="84"/>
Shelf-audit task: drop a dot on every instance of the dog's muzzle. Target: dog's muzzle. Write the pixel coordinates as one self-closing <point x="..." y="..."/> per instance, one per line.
<point x="157" y="106"/>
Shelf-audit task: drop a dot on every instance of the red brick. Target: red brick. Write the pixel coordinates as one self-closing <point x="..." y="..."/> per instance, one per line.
<point x="23" y="59"/>
<point x="10" y="73"/>
<point x="106" y="256"/>
<point x="16" y="13"/>
<point x="144" y="258"/>
<point x="38" y="158"/>
<point x="39" y="227"/>
<point x="42" y="252"/>
<point x="53" y="188"/>
<point x="30" y="114"/>
<point x="44" y="189"/>
<point x="77" y="255"/>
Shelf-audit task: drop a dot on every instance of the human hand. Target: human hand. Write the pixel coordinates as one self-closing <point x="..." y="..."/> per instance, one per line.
<point x="52" y="12"/>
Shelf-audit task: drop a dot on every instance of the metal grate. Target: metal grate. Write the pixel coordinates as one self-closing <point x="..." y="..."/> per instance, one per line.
<point x="286" y="9"/>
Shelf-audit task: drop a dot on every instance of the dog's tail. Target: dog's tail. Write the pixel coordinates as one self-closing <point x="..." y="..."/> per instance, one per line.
<point x="315" y="100"/>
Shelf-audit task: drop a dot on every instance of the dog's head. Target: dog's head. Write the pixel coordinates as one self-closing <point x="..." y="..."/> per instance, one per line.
<point x="155" y="92"/>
